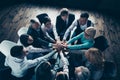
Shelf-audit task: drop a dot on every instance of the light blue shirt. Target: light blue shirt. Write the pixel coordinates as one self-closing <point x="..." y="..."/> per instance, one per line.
<point x="86" y="43"/>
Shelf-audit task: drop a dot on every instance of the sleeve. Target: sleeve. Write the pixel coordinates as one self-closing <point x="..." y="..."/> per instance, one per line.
<point x="73" y="25"/>
<point x="57" y="25"/>
<point x="75" y="38"/>
<point x="6" y="61"/>
<point x="55" y="33"/>
<point x="44" y="43"/>
<point x="50" y="38"/>
<point x="32" y="63"/>
<point x="81" y="46"/>
<point x="65" y="63"/>
<point x="32" y="49"/>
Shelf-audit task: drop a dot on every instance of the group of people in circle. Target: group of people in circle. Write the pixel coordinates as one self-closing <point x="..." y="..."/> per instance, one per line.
<point x="53" y="52"/>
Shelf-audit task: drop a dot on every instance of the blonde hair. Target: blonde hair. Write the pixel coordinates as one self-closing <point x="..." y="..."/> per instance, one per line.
<point x="91" y="31"/>
<point x="95" y="56"/>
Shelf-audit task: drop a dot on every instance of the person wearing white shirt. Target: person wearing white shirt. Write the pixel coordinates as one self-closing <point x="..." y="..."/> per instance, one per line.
<point x="65" y="72"/>
<point x="18" y="62"/>
<point x="49" y="30"/>
<point x="78" y="26"/>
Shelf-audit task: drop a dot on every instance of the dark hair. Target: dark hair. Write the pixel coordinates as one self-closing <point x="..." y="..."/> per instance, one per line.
<point x="62" y="76"/>
<point x="84" y="15"/>
<point x="46" y="19"/>
<point x="46" y="66"/>
<point x="32" y="21"/>
<point x="43" y="71"/>
<point x="16" y="51"/>
<point x="64" y="12"/>
<point x="24" y="39"/>
<point x="41" y="17"/>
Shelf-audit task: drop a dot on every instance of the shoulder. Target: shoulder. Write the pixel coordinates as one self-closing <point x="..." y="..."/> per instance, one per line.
<point x="72" y="15"/>
<point x="30" y="28"/>
<point x="82" y="33"/>
<point x="58" y="17"/>
<point x="89" y="22"/>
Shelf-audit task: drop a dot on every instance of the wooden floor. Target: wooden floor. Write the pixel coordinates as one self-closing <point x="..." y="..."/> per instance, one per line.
<point x="14" y="17"/>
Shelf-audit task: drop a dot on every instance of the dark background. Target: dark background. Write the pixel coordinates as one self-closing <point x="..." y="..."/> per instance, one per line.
<point x="109" y="7"/>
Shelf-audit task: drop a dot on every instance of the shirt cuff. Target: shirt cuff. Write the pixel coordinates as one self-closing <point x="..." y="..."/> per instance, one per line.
<point x="50" y="45"/>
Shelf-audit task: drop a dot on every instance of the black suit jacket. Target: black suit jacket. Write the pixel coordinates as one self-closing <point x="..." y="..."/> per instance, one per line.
<point x="38" y="38"/>
<point x="61" y="26"/>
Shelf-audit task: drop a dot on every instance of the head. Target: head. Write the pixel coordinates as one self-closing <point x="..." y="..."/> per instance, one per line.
<point x="82" y="73"/>
<point x="18" y="52"/>
<point x="83" y="18"/>
<point x="35" y="24"/>
<point x="94" y="56"/>
<point x="47" y="22"/>
<point x="64" y="13"/>
<point x="90" y="33"/>
<point x="61" y="76"/>
<point x="26" y="39"/>
<point x="43" y="71"/>
<point x="41" y="17"/>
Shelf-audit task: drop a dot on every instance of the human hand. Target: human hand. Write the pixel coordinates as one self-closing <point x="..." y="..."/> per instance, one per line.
<point x="64" y="44"/>
<point x="58" y="46"/>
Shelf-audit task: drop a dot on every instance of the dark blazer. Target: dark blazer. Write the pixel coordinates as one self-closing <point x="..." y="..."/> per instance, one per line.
<point x="61" y="26"/>
<point x="38" y="38"/>
<point x="34" y="33"/>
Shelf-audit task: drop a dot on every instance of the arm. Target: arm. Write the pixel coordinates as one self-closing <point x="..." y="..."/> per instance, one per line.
<point x="65" y="63"/>
<point x="32" y="63"/>
<point x="32" y="49"/>
<point x="75" y="38"/>
<point x="55" y="33"/>
<point x="44" y="43"/>
<point x="74" y="24"/>
<point x="57" y="25"/>
<point x="6" y="61"/>
<point x="49" y="37"/>
<point x="80" y="46"/>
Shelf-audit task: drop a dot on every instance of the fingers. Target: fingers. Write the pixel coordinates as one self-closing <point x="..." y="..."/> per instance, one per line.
<point x="60" y="45"/>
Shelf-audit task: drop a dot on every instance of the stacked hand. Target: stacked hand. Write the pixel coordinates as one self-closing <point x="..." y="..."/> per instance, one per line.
<point x="59" y="45"/>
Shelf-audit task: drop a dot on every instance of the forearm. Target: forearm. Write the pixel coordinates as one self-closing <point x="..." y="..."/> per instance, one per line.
<point x="66" y="34"/>
<point x="43" y="42"/>
<point x="80" y="46"/>
<point x="65" y="63"/>
<point x="55" y="33"/>
<point x="32" y="63"/>
<point x="37" y="50"/>
<point x="68" y="31"/>
<point x="50" y="38"/>
<point x="73" y="39"/>
<point x="47" y="56"/>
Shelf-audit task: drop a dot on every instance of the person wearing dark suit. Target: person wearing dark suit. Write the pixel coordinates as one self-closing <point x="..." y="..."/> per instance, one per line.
<point x="28" y="40"/>
<point x="36" y="31"/>
<point x="63" y="21"/>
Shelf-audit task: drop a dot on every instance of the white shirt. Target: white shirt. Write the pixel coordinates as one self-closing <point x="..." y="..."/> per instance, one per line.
<point x="73" y="27"/>
<point x="46" y="31"/>
<point x="83" y="27"/>
<point x="20" y="66"/>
